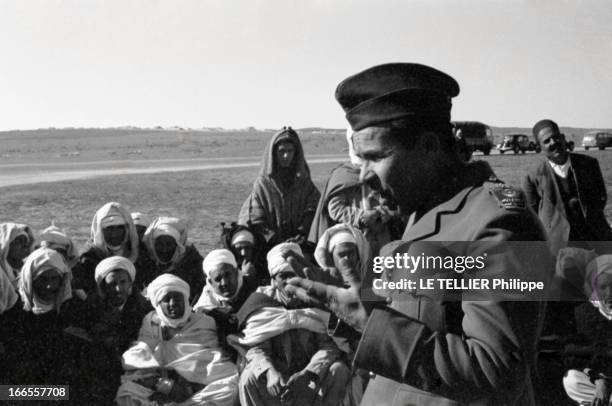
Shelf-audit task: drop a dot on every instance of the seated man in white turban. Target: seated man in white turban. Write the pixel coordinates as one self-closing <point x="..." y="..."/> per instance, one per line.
<point x="168" y="251"/>
<point x="291" y="359"/>
<point x="177" y="358"/>
<point x="111" y="318"/>
<point x="45" y="354"/>
<point x="225" y="292"/>
<point x="590" y="382"/>
<point x="112" y="234"/>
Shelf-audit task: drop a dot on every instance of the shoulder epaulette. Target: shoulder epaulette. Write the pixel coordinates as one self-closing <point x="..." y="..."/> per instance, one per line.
<point x="508" y="197"/>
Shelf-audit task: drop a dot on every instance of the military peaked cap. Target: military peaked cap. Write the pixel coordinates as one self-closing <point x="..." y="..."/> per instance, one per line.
<point x="394" y="91"/>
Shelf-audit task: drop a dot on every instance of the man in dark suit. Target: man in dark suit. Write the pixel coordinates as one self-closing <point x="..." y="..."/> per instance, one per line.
<point x="567" y="192"/>
<point x="439" y="346"/>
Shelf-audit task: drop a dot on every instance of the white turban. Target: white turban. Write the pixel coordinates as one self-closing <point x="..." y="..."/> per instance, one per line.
<point x="54" y="238"/>
<point x="159" y="288"/>
<point x="110" y="264"/>
<point x="35" y="264"/>
<point x="167" y="229"/>
<point x="216" y="258"/>
<point x="276" y="261"/>
<point x="173" y="227"/>
<point x="114" y="214"/>
<point x="341" y="237"/>
<point x="243" y="236"/>
<point x="139" y="219"/>
<point x="8" y="232"/>
<point x="336" y="235"/>
<point x="595" y="268"/>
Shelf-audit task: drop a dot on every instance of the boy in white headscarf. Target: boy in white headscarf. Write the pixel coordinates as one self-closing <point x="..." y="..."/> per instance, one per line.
<point x="177" y="358"/>
<point x="290" y="357"/>
<point x="112" y="233"/>
<point x="168" y="251"/>
<point x="591" y="381"/>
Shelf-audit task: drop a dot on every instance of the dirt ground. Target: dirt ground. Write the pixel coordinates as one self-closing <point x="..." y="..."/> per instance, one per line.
<point x="204" y="197"/>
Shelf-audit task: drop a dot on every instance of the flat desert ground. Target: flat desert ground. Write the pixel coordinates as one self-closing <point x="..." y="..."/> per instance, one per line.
<point x="64" y="176"/>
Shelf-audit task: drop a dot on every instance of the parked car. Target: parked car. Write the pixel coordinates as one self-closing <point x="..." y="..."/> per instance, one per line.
<point x="474" y="136"/>
<point x="569" y="142"/>
<point x="517" y="143"/>
<point x="599" y="139"/>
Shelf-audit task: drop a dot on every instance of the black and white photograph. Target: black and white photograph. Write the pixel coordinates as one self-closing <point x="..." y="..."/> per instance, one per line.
<point x="306" y="202"/>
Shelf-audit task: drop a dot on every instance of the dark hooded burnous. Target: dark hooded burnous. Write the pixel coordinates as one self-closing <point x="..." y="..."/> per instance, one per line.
<point x="284" y="199"/>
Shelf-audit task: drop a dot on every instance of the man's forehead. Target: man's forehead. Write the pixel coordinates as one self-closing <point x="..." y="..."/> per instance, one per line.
<point x="546" y="132"/>
<point x="371" y="136"/>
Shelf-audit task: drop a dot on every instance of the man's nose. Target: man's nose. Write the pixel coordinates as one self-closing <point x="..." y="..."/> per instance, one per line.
<point x="365" y="172"/>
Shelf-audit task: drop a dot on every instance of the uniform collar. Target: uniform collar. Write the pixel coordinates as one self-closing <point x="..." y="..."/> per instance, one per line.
<point x="429" y="223"/>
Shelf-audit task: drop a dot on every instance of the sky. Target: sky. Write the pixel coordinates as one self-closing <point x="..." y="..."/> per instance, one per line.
<point x="270" y="63"/>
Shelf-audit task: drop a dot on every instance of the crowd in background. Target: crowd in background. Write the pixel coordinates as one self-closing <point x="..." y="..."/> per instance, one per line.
<point x="140" y="317"/>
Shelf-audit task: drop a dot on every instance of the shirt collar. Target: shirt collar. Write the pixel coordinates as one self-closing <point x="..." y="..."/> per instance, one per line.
<point x="561" y="170"/>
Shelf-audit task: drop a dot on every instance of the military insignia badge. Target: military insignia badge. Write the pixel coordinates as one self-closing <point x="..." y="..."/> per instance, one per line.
<point x="508" y="197"/>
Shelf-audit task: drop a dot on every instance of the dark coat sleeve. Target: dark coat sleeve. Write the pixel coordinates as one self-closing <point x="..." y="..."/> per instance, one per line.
<point x="530" y="187"/>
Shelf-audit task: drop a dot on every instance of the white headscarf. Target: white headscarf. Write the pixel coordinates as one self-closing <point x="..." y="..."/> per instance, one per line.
<point x="114" y="214"/>
<point x="110" y="264"/>
<point x="336" y="235"/>
<point x="53" y="237"/>
<point x="8" y="294"/>
<point x="218" y="257"/>
<point x="597" y="267"/>
<point x="276" y="259"/>
<point x="161" y="286"/>
<point x="139" y="219"/>
<point x="170" y="226"/>
<point x="8" y="232"/>
<point x="212" y="261"/>
<point x="243" y="236"/>
<point x="35" y="264"/>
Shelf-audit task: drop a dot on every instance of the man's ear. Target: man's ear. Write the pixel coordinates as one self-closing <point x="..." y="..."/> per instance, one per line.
<point x="429" y="142"/>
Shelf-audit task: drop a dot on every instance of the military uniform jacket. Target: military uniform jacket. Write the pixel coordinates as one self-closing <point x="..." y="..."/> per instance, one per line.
<point x="544" y="197"/>
<point x="428" y="351"/>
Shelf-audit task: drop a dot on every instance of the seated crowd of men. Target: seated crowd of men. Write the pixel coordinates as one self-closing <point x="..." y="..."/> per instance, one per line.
<point x="140" y="317"/>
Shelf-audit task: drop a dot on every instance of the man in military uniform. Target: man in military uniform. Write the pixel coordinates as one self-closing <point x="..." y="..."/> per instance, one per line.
<point x="425" y="347"/>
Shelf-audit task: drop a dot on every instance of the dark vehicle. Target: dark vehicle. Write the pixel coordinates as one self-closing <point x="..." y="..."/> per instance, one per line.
<point x="473" y="136"/>
<point x="598" y="139"/>
<point x="517" y="143"/>
<point x="569" y="142"/>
